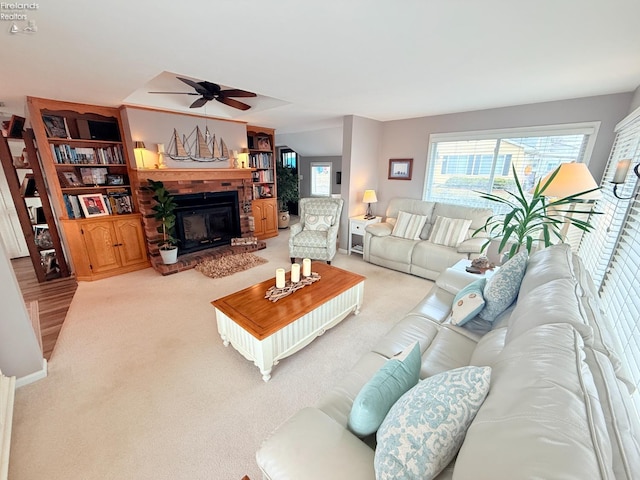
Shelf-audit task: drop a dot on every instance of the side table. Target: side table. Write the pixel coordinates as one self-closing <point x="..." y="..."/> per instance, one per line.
<point x="356" y="232"/>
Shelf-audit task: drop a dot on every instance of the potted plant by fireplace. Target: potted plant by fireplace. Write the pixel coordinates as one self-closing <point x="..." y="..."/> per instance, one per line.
<point x="164" y="212"/>
<point x="287" y="183"/>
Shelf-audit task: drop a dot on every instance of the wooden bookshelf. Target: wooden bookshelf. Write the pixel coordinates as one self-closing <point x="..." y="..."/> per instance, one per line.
<point x="262" y="158"/>
<point x="86" y="163"/>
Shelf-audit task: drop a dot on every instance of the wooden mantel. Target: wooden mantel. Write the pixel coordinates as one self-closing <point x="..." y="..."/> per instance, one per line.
<point x="191" y="174"/>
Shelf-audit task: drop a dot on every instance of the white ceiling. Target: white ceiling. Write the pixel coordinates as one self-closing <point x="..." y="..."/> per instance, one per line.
<point x="312" y="62"/>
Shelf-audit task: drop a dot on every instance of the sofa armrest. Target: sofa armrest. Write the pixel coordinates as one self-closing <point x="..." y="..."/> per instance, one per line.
<point x="472" y="245"/>
<point x="295" y="229"/>
<point x="379" y="229"/>
<point x="311" y="445"/>
<point x="453" y="281"/>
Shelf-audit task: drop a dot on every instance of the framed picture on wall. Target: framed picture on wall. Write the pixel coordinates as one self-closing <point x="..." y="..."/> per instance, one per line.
<point x="400" y="168"/>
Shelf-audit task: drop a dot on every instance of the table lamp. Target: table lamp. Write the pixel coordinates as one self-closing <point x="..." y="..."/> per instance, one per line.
<point x="369" y="198"/>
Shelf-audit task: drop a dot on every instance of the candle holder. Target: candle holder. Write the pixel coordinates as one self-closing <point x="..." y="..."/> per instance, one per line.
<point x="275" y="293"/>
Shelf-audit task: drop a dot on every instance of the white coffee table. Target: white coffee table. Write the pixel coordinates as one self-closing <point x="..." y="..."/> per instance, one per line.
<point x="265" y="332"/>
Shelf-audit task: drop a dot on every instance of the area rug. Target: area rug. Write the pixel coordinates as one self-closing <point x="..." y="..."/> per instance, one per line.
<point x="229" y="264"/>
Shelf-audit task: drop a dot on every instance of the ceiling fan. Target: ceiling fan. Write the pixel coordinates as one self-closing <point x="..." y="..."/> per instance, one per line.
<point x="212" y="91"/>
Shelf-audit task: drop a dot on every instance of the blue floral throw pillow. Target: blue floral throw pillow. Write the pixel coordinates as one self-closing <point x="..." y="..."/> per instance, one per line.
<point x="468" y="302"/>
<point x="502" y="288"/>
<point x="425" y="428"/>
<point x="397" y="375"/>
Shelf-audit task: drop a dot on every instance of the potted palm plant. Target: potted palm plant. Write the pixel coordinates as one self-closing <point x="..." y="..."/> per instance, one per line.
<point x="532" y="220"/>
<point x="164" y="212"/>
<point x="287" y="184"/>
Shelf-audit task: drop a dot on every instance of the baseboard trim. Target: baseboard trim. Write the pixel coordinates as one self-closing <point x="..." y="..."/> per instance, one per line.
<point x="33" y="377"/>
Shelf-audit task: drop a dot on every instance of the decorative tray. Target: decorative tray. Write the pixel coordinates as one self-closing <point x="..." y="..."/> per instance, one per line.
<point x="274" y="294"/>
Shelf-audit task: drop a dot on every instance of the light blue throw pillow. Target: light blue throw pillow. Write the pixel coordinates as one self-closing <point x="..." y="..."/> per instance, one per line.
<point x="374" y="400"/>
<point x="425" y="428"/>
<point x="502" y="288"/>
<point x="468" y="302"/>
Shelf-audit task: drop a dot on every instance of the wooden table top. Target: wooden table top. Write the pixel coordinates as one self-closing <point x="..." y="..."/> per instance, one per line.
<point x="261" y="317"/>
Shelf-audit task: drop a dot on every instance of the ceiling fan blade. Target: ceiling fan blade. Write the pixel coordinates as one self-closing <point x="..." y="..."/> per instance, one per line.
<point x="198" y="103"/>
<point x="198" y="88"/>
<point x="178" y="93"/>
<point x="236" y="92"/>
<point x="233" y="103"/>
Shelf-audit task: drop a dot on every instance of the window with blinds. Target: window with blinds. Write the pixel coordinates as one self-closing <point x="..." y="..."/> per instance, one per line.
<point x="462" y="164"/>
<point x="611" y="252"/>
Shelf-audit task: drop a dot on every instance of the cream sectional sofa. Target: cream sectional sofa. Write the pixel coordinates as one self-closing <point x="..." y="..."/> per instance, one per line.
<point x="559" y="403"/>
<point x="422" y="257"/>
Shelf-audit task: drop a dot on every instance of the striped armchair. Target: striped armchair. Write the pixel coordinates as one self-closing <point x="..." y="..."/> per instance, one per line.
<point x="316" y="235"/>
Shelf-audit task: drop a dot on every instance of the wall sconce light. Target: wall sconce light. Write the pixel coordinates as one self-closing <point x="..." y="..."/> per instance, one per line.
<point x="138" y="145"/>
<point x="621" y="175"/>
<point x="369" y="198"/>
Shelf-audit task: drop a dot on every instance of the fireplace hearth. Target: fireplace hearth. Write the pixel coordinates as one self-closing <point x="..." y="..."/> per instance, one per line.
<point x="206" y="220"/>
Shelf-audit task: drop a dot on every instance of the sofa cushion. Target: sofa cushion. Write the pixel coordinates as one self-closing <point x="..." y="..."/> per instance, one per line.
<point x="502" y="287"/>
<point x="425" y="428"/>
<point x="468" y="302"/>
<point x="387" y="385"/>
<point x="408" y="226"/>
<point x="543" y="418"/>
<point x="449" y="231"/>
<point x="318" y="222"/>
<point x="552" y="302"/>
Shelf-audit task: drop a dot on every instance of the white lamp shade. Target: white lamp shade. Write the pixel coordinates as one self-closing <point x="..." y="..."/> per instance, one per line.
<point x="369" y="197"/>
<point x="572" y="178"/>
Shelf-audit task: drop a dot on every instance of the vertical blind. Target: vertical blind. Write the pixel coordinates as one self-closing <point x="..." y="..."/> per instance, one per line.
<point x="612" y="251"/>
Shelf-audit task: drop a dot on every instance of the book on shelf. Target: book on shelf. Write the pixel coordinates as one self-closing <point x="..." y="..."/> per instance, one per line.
<point x="66" y="154"/>
<point x="72" y="204"/>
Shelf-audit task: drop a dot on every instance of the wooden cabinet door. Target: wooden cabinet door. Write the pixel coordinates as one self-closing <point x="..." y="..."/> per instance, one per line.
<point x="258" y="218"/>
<point x="270" y="214"/>
<point x="131" y="241"/>
<point x="102" y="246"/>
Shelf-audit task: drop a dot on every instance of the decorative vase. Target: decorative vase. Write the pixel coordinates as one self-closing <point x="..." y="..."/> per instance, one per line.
<point x="169" y="255"/>
<point x="283" y="220"/>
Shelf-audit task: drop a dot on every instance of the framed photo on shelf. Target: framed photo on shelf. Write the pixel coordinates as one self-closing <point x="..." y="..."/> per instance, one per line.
<point x="70" y="179"/>
<point x="264" y="143"/>
<point x="93" y="205"/>
<point x="55" y="126"/>
<point x="113" y="179"/>
<point x="400" y="168"/>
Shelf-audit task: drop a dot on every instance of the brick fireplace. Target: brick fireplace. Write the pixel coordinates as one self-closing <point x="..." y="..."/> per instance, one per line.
<point x="192" y="181"/>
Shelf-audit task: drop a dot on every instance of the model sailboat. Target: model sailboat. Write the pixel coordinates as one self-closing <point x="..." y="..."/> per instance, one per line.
<point x="202" y="152"/>
<point x="176" y="150"/>
<point x="220" y="153"/>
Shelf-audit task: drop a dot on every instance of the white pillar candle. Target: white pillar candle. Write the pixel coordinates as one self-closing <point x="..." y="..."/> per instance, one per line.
<point x="306" y="267"/>
<point x="279" y="277"/>
<point x="295" y="273"/>
<point x="621" y="171"/>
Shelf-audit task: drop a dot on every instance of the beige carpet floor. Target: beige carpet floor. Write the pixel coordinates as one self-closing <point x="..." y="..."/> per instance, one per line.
<point x="141" y="387"/>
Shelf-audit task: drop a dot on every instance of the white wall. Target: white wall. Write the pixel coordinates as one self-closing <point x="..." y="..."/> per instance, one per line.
<point x="20" y="353"/>
<point x="410" y="138"/>
<point x="154" y="126"/>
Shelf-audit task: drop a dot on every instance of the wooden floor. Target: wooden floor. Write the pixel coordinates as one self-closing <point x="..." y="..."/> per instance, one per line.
<point x="54" y="298"/>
